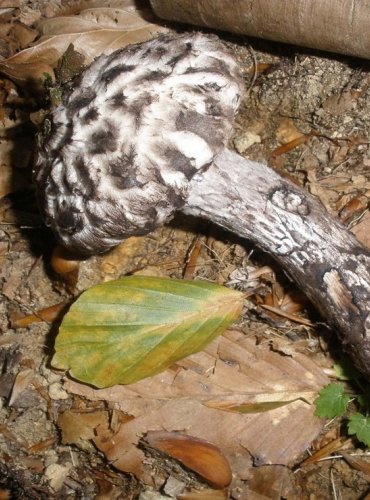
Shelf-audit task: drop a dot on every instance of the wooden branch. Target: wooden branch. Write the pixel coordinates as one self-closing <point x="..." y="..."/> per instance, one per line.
<point x="331" y="25"/>
<point x="325" y="260"/>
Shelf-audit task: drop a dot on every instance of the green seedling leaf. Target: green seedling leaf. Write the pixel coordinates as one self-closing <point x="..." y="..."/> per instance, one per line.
<point x="125" y="330"/>
<point x="359" y="425"/>
<point x="345" y="369"/>
<point x="332" y="402"/>
<point x="364" y="399"/>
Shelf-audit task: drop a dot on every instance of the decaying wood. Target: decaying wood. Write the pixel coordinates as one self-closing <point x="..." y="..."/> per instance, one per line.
<point x="332" y="25"/>
<point x="326" y="261"/>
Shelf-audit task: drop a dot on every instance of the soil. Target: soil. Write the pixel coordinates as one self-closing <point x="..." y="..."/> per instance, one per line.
<point x="305" y="113"/>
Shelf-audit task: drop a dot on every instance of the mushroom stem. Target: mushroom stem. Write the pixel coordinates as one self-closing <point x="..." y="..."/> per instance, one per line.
<point x="326" y="261"/>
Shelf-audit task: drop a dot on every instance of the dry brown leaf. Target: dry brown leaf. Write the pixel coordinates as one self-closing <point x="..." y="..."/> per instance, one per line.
<point x="128" y="18"/>
<point x="77" y="6"/>
<point x="21" y="382"/>
<point x="338" y="104"/>
<point x="49" y="314"/>
<point x="358" y="463"/>
<point x="285" y="148"/>
<point x="362" y="229"/>
<point x="285" y="346"/>
<point x="196" y="454"/>
<point x="23" y="34"/>
<point x="233" y="370"/>
<point x="353" y="209"/>
<point x="328" y="190"/>
<point x="271" y="482"/>
<point x="77" y="428"/>
<point x="9" y="4"/>
<point x="287" y="131"/>
<point x="41" y="445"/>
<point x="93" y="32"/>
<point x="325" y="451"/>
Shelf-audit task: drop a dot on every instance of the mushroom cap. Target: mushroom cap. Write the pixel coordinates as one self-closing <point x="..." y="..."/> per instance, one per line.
<point x="129" y="136"/>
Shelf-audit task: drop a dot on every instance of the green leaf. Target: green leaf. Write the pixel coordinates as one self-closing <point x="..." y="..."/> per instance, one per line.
<point x="122" y="331"/>
<point x="364" y="399"/>
<point x="360" y="426"/>
<point x="332" y="402"/>
<point x="345" y="369"/>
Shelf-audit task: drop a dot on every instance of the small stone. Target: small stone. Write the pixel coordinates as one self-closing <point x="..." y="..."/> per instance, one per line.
<point x="50" y="457"/>
<point x="246" y="140"/>
<point x="56" y="475"/>
<point x="50" y="376"/>
<point x="174" y="487"/>
<point x="56" y="391"/>
<point x="152" y="495"/>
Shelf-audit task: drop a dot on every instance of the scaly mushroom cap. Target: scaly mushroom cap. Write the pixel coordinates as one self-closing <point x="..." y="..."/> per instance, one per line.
<point x="130" y="135"/>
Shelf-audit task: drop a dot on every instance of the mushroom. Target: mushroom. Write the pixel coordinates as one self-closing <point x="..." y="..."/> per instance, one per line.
<point x="143" y="133"/>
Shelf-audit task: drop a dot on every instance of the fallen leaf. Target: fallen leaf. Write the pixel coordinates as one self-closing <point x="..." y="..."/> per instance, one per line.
<point x="291" y="317"/>
<point x="122" y="15"/>
<point x="21" y="382"/>
<point x="259" y="406"/>
<point x="198" y="455"/>
<point x="232" y="369"/>
<point x="353" y="209"/>
<point x="271" y="482"/>
<point x="79" y="428"/>
<point x="49" y="314"/>
<point x="362" y="229"/>
<point x="93" y="32"/>
<point x="338" y="104"/>
<point x="42" y="445"/>
<point x="358" y="464"/>
<point x="23" y="34"/>
<point x="325" y="451"/>
<point x="124" y="330"/>
<point x="287" y="131"/>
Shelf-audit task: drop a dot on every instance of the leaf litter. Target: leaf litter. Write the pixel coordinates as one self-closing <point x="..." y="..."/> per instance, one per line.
<point x="191" y="394"/>
<point x="92" y="31"/>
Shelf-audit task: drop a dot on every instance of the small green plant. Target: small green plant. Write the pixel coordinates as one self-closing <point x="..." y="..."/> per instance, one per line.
<point x="333" y="401"/>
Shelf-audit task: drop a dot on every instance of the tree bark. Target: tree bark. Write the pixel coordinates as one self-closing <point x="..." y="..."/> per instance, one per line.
<point x="336" y="26"/>
<point x="325" y="260"/>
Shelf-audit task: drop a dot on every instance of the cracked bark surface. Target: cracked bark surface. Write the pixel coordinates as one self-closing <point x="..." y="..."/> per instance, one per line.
<point x="325" y="260"/>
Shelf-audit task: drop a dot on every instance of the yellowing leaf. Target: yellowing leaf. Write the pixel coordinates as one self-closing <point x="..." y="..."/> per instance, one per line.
<point x="125" y="330"/>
